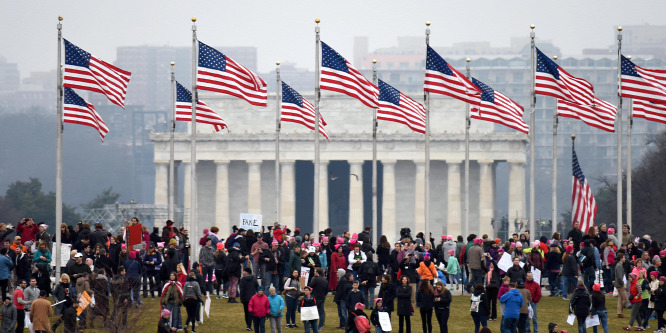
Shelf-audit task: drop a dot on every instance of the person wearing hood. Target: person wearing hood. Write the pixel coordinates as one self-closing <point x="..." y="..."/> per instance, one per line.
<point x="259" y="307"/>
<point x="276" y="305"/>
<point x="248" y="288"/>
<point x="513" y="302"/>
<point x="192" y="297"/>
<point x="100" y="288"/>
<point x="476" y="263"/>
<point x="234" y="268"/>
<point x="207" y="263"/>
<point x="8" y="314"/>
<point x="581" y="305"/>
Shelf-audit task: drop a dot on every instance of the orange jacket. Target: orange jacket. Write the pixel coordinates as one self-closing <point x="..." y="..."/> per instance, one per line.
<point x="427" y="272"/>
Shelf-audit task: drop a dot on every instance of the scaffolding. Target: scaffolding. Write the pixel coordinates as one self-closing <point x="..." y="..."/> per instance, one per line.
<point x="114" y="216"/>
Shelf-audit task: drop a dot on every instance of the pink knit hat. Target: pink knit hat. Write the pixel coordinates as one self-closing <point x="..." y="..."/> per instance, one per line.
<point x="340" y="240"/>
<point x="337" y="246"/>
<point x="662" y="253"/>
<point x="123" y="246"/>
<point x="451" y="252"/>
<point x="206" y="231"/>
<point x="352" y="241"/>
<point x="166" y="312"/>
<point x="324" y="239"/>
<point x="132" y="254"/>
<point x="449" y="237"/>
<point x="354" y="236"/>
<point x="478" y="241"/>
<point x="611" y="231"/>
<point x="316" y="244"/>
<point x="359" y="306"/>
<point x="275" y="242"/>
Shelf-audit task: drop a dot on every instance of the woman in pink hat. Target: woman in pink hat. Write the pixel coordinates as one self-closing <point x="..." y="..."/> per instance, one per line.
<point x="338" y="261"/>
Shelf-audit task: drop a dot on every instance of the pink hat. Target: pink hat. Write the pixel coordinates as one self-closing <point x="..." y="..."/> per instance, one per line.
<point x="352" y="241"/>
<point x="354" y="236"/>
<point x="611" y="231"/>
<point x="663" y="278"/>
<point x="654" y="273"/>
<point x="316" y="244"/>
<point x="535" y="243"/>
<point x="132" y="254"/>
<point x="513" y="245"/>
<point x="519" y="244"/>
<point x="275" y="242"/>
<point x="501" y="250"/>
<point x="569" y="248"/>
<point x="359" y="306"/>
<point x="303" y="245"/>
<point x="377" y="300"/>
<point x="206" y="231"/>
<point x="219" y="245"/>
<point x="123" y="246"/>
<point x="166" y="312"/>
<point x="426" y="255"/>
<point x="161" y="244"/>
<point x="340" y="240"/>
<point x="478" y="241"/>
<point x="451" y="252"/>
<point x="449" y="237"/>
<point x="324" y="239"/>
<point x="662" y="253"/>
<point x="337" y="246"/>
<point x="443" y="237"/>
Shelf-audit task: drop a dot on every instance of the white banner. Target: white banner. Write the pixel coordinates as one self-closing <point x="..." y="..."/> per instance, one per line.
<point x="250" y="222"/>
<point x="65" y="249"/>
<point x="309" y="313"/>
<point x="385" y="321"/>
<point x="537" y="275"/>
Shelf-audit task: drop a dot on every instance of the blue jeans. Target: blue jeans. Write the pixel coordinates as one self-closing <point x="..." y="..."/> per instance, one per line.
<point x="322" y="313"/>
<point x="553" y="278"/>
<point x="535" y="320"/>
<point x="603" y="319"/>
<point x="581" y="323"/>
<point x="566" y="280"/>
<point x="207" y="272"/>
<point x="311" y="324"/>
<point x="378" y="329"/>
<point x="369" y="296"/>
<point x="292" y="303"/>
<point x="271" y="278"/>
<point x="479" y="321"/>
<point x="342" y="313"/>
<point x="509" y="325"/>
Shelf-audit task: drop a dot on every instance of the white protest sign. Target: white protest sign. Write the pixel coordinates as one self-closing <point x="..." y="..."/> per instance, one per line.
<point x="207" y="307"/>
<point x="570" y="319"/>
<point x="505" y="262"/>
<point x="250" y="222"/>
<point x="309" y="313"/>
<point x="537" y="275"/>
<point x="592" y="321"/>
<point x="385" y="321"/>
<point x="65" y="249"/>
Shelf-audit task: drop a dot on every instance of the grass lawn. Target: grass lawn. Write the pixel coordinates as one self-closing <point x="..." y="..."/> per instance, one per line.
<point x="227" y="317"/>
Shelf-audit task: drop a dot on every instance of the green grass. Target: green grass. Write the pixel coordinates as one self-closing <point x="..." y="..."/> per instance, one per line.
<point x="227" y="317"/>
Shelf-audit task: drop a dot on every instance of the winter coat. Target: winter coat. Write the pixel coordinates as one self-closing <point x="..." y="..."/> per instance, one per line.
<point x="516" y="273"/>
<point x="427" y="270"/>
<point x="444" y="300"/>
<point x="295" y="262"/>
<point x="337" y="261"/>
<point x="374" y="316"/>
<point x="404" y="295"/>
<point x="259" y="305"/>
<point x="248" y="287"/>
<point x="276" y="305"/>
<point x="427" y="301"/>
<point x="368" y="273"/>
<point x="527" y="299"/>
<point x="452" y="266"/>
<point x="342" y="290"/>
<point x="580" y="302"/>
<point x="319" y="287"/>
<point x="5" y="267"/>
<point x="354" y="297"/>
<point x="100" y="288"/>
<point x="660" y="299"/>
<point x="484" y="305"/>
<point x="534" y="289"/>
<point x="553" y="261"/>
<point x="513" y="301"/>
<point x="207" y="256"/>
<point x="234" y="262"/>
<point x="570" y="266"/>
<point x="192" y="290"/>
<point x="387" y="294"/>
<point x="8" y="318"/>
<point x="40" y="312"/>
<point x="475" y="257"/>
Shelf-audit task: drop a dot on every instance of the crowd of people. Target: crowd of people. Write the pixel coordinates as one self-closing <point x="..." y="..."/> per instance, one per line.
<point x="278" y="272"/>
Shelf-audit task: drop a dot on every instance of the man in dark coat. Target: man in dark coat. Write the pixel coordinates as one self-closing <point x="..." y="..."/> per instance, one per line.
<point x="248" y="287"/>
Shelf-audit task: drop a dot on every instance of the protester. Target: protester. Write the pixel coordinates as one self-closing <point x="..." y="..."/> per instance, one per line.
<point x="164" y="325"/>
<point x="358" y="320"/>
<point x="524" y="310"/>
<point x="40" y="312"/>
<point x="292" y="288"/>
<point x="535" y="294"/>
<point x="276" y="305"/>
<point x="172" y="299"/>
<point x="405" y="307"/>
<point x="635" y="300"/>
<point x="319" y="287"/>
<point x="426" y="298"/>
<point x="599" y="307"/>
<point x="191" y="298"/>
<point x="259" y="307"/>
<point x="8" y="313"/>
<point x="344" y="286"/>
<point x="580" y="305"/>
<point x="479" y="307"/>
<point x="248" y="287"/>
<point x="513" y="303"/>
<point x="308" y="301"/>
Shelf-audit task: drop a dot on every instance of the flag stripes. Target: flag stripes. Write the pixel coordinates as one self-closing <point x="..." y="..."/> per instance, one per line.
<point x="297" y="109"/>
<point x="649" y="111"/>
<point x="338" y="74"/>
<point x="600" y="115"/>
<point x="584" y="207"/>
<point x="77" y="111"/>
<point x="397" y="107"/>
<point x="204" y="114"/>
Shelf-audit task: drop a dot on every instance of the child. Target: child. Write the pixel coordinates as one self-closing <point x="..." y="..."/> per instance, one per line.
<point x="453" y="268"/>
<point x="502" y="290"/>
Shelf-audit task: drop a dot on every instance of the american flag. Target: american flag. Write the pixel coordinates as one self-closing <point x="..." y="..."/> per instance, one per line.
<point x="338" y="75"/>
<point x="600" y="115"/>
<point x="395" y="106"/>
<point x="219" y="73"/>
<point x="498" y="108"/>
<point x="77" y="111"/>
<point x="552" y="80"/>
<point x="642" y="83"/>
<point x="584" y="208"/>
<point x="297" y="109"/>
<point x="85" y="71"/>
<point x="205" y="115"/>
<point x="442" y="78"/>
<point x="649" y="110"/>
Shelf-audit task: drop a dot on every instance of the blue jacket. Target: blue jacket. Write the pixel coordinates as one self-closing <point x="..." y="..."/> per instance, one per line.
<point x="5" y="267"/>
<point x="512" y="301"/>
<point x="323" y="261"/>
<point x="276" y="305"/>
<point x="46" y="254"/>
<point x="133" y="268"/>
<point x="441" y="276"/>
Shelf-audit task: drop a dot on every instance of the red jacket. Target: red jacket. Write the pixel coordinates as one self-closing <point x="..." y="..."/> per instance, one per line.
<point x="337" y="261"/>
<point x="27" y="233"/>
<point x="535" y="290"/>
<point x="633" y="290"/>
<point x="259" y="306"/>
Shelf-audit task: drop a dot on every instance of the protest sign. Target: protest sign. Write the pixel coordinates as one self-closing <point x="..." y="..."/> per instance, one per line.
<point x="84" y="301"/>
<point x="250" y="222"/>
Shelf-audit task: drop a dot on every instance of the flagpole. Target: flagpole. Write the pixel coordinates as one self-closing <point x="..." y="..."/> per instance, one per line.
<point x="278" y="99"/>
<point x="532" y="109"/>
<point x="193" y="149"/>
<point x="172" y="172"/>
<point x="426" y="97"/>
<point x="315" y="219"/>
<point x="374" y="159"/>
<point x="59" y="128"/>
<point x="619" y="128"/>
<point x="554" y="195"/>
<point x="630" y="124"/>
<point x="467" y="125"/>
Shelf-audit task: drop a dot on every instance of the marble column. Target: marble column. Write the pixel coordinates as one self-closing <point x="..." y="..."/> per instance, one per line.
<point x="454" y="220"/>
<point x="388" y="202"/>
<point x="254" y="186"/>
<point x="161" y="183"/>
<point x="355" y="195"/>
<point x="288" y="194"/>
<point x="222" y="196"/>
<point x="419" y="196"/>
<point x="517" y="190"/>
<point x="323" y="195"/>
<point x="486" y="197"/>
<point x="187" y="194"/>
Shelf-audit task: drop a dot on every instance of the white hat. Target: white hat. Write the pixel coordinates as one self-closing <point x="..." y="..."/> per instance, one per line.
<point x="441" y="267"/>
<point x="312" y="249"/>
<point x="78" y="255"/>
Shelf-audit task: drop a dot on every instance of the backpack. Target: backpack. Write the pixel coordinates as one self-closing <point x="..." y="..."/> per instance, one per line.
<point x="362" y="324"/>
<point x="476" y="301"/>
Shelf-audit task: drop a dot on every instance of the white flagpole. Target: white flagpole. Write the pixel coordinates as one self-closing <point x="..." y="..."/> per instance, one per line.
<point x="172" y="172"/>
<point x="374" y="159"/>
<point x="532" y="143"/>
<point x="315" y="219"/>
<point x="193" y="148"/>
<point x="59" y="128"/>
<point x="554" y="194"/>
<point x="619" y="128"/>
<point x="465" y="228"/>
<point x="426" y="97"/>
<point x="630" y="124"/>
<point x="278" y="100"/>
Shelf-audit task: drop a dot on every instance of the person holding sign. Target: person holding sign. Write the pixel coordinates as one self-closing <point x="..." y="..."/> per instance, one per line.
<point x="309" y="304"/>
<point x="374" y="316"/>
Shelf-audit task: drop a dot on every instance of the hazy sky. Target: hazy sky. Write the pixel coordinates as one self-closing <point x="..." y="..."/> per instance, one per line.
<point x="284" y="30"/>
